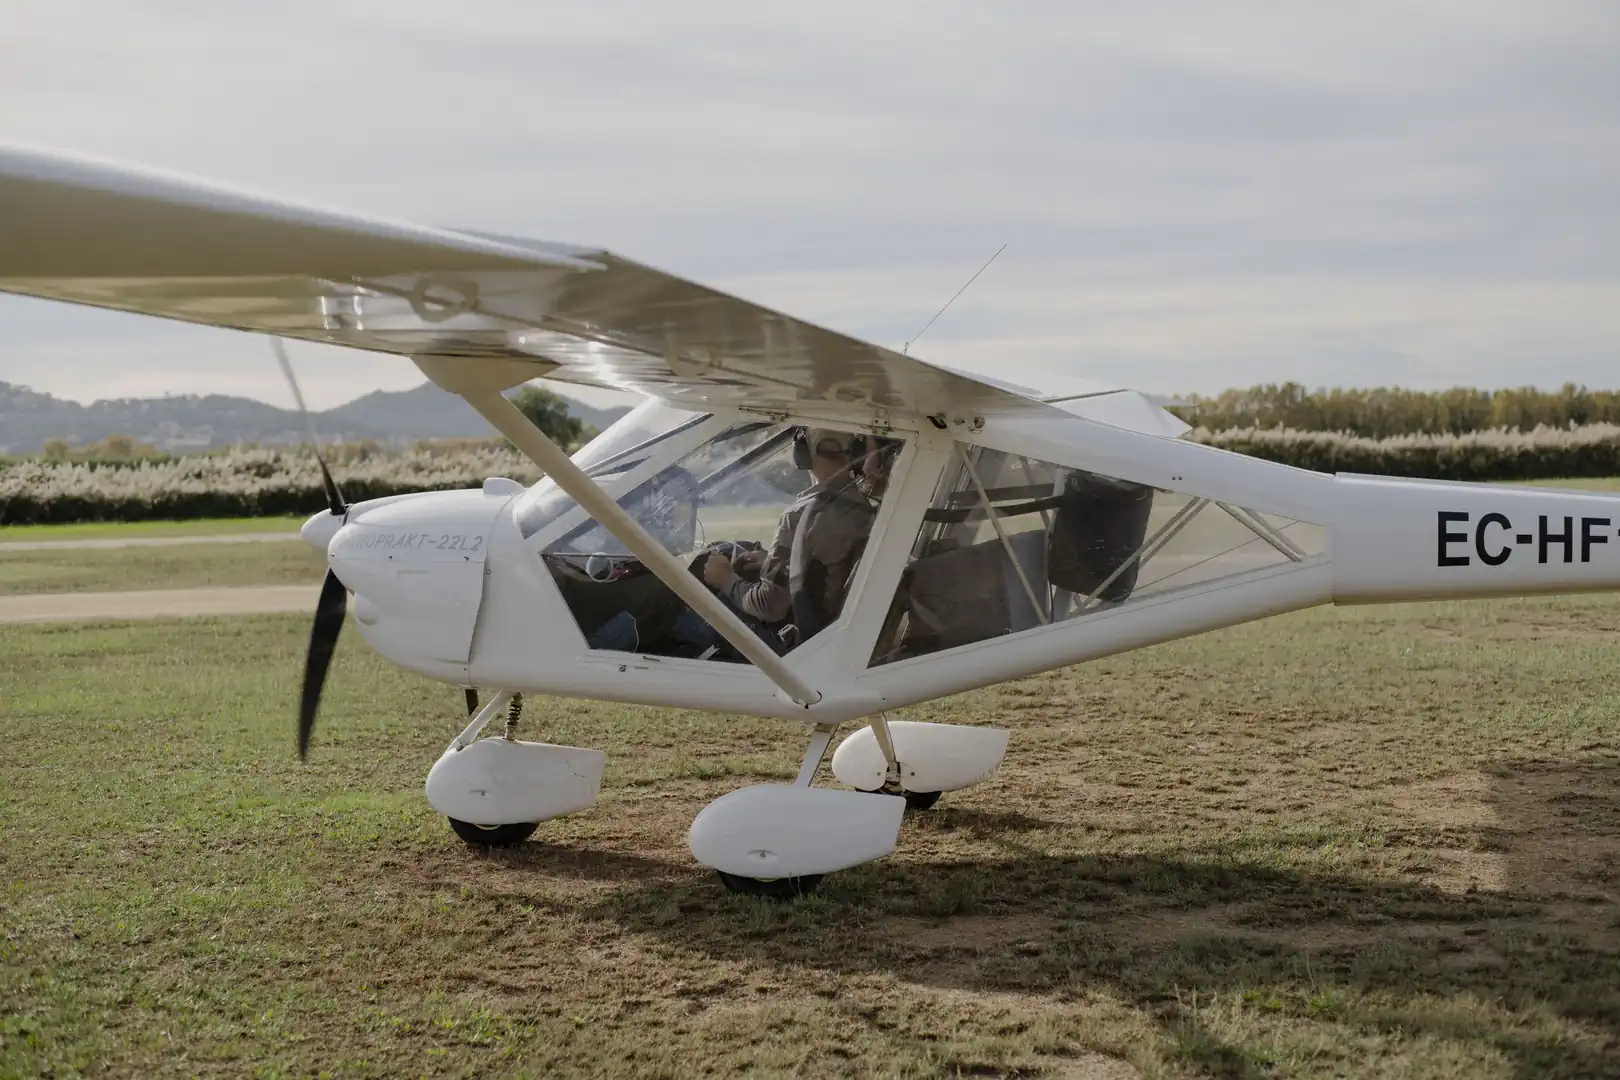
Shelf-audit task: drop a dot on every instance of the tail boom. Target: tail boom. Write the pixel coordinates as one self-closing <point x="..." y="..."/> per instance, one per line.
<point x="1396" y="540"/>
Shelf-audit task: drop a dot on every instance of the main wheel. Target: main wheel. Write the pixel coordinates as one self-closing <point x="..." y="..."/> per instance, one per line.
<point x="915" y="800"/>
<point x="772" y="888"/>
<point x="493" y="835"/>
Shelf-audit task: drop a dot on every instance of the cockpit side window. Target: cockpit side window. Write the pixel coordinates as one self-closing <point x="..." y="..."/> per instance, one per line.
<point x="1012" y="543"/>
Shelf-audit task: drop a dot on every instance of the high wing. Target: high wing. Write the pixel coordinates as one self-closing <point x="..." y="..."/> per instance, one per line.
<point x="90" y="232"/>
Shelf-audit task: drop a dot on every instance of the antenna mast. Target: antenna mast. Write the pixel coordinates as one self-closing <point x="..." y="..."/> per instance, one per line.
<point x="906" y="349"/>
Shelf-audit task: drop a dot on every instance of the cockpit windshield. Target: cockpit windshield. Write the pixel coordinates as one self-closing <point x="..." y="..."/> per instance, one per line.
<point x="626" y="442"/>
<point x="624" y="445"/>
<point x="717" y="477"/>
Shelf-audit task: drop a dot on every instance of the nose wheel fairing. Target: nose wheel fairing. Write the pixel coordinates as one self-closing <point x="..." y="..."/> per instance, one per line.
<point x="499" y="781"/>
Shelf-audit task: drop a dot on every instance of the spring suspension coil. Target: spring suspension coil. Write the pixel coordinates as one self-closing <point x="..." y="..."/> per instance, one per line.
<point x="514" y="711"/>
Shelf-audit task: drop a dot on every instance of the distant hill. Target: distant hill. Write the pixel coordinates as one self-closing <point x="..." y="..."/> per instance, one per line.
<point x="192" y="422"/>
<point x="430" y="413"/>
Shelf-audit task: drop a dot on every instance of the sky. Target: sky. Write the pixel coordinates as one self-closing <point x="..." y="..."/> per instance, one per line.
<point x="1192" y="196"/>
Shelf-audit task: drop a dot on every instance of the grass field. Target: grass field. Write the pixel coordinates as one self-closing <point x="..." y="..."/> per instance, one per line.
<point x="1373" y="842"/>
<point x="271" y="562"/>
<point x="98" y="530"/>
<point x="1579" y="483"/>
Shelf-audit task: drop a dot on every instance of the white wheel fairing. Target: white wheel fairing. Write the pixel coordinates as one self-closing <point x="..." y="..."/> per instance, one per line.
<point x="933" y="757"/>
<point x="785" y="831"/>
<point x="497" y="781"/>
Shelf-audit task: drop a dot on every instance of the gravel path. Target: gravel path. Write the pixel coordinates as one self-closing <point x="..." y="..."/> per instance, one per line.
<point x="160" y="603"/>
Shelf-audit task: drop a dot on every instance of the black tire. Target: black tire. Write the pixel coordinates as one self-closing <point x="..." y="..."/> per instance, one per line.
<point x="915" y="800"/>
<point x="773" y="889"/>
<point x="493" y="835"/>
<point x="922" y="800"/>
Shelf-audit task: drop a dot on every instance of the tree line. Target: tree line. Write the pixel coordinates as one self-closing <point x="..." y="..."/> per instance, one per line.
<point x="1377" y="413"/>
<point x="1382" y="412"/>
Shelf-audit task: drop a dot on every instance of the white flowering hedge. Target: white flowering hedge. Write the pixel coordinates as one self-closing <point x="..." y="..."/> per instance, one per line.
<point x="237" y="483"/>
<point x="258" y="482"/>
<point x="1592" y="450"/>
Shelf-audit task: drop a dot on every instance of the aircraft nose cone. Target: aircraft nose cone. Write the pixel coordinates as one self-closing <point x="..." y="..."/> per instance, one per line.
<point x="319" y="530"/>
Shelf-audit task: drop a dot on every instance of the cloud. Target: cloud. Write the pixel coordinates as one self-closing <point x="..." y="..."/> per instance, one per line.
<point x="1192" y="196"/>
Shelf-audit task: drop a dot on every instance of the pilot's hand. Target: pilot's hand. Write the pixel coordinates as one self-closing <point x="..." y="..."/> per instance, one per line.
<point x="717" y="571"/>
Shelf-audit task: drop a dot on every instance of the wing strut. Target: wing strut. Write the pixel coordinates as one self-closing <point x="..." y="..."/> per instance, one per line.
<point x="538" y="448"/>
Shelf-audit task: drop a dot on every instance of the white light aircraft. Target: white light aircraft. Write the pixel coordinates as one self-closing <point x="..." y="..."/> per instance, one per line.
<point x="794" y="524"/>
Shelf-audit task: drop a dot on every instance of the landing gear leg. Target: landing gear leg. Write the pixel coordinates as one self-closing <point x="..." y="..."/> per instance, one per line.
<point x="788" y="888"/>
<point x="915" y="800"/>
<point x="815" y="753"/>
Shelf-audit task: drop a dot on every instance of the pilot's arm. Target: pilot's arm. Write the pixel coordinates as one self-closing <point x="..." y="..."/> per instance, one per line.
<point x="767" y="599"/>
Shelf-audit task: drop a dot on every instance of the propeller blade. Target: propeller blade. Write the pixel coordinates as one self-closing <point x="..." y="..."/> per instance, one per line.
<point x="334" y="497"/>
<point x="472" y="701"/>
<point x="329" y="612"/>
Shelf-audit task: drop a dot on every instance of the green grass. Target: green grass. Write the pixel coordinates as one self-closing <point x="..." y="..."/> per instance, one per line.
<point x="1371" y="842"/>
<point x="1581" y="483"/>
<point x="270" y="562"/>
<point x="103" y="530"/>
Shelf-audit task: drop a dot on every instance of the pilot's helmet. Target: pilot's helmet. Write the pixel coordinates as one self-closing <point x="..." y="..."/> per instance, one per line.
<point x="826" y="442"/>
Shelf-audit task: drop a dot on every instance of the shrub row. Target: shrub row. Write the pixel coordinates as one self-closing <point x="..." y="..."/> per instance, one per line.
<point x="1382" y="411"/>
<point x="1540" y="454"/>
<point x="261" y="482"/>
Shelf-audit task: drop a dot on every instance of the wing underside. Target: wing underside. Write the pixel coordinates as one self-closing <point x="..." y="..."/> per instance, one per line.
<point x="92" y="233"/>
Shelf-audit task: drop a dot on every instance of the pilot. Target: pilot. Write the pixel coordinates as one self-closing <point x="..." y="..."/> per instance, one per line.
<point x="874" y="469"/>
<point x="827" y="547"/>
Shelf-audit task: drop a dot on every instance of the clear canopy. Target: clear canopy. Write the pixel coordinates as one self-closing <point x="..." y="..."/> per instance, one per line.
<point x="733" y="486"/>
<point x="772" y="517"/>
<point x="624" y="445"/>
<point x="625" y="442"/>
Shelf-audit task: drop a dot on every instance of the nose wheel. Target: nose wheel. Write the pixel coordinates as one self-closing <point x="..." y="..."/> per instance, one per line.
<point x="505" y="780"/>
